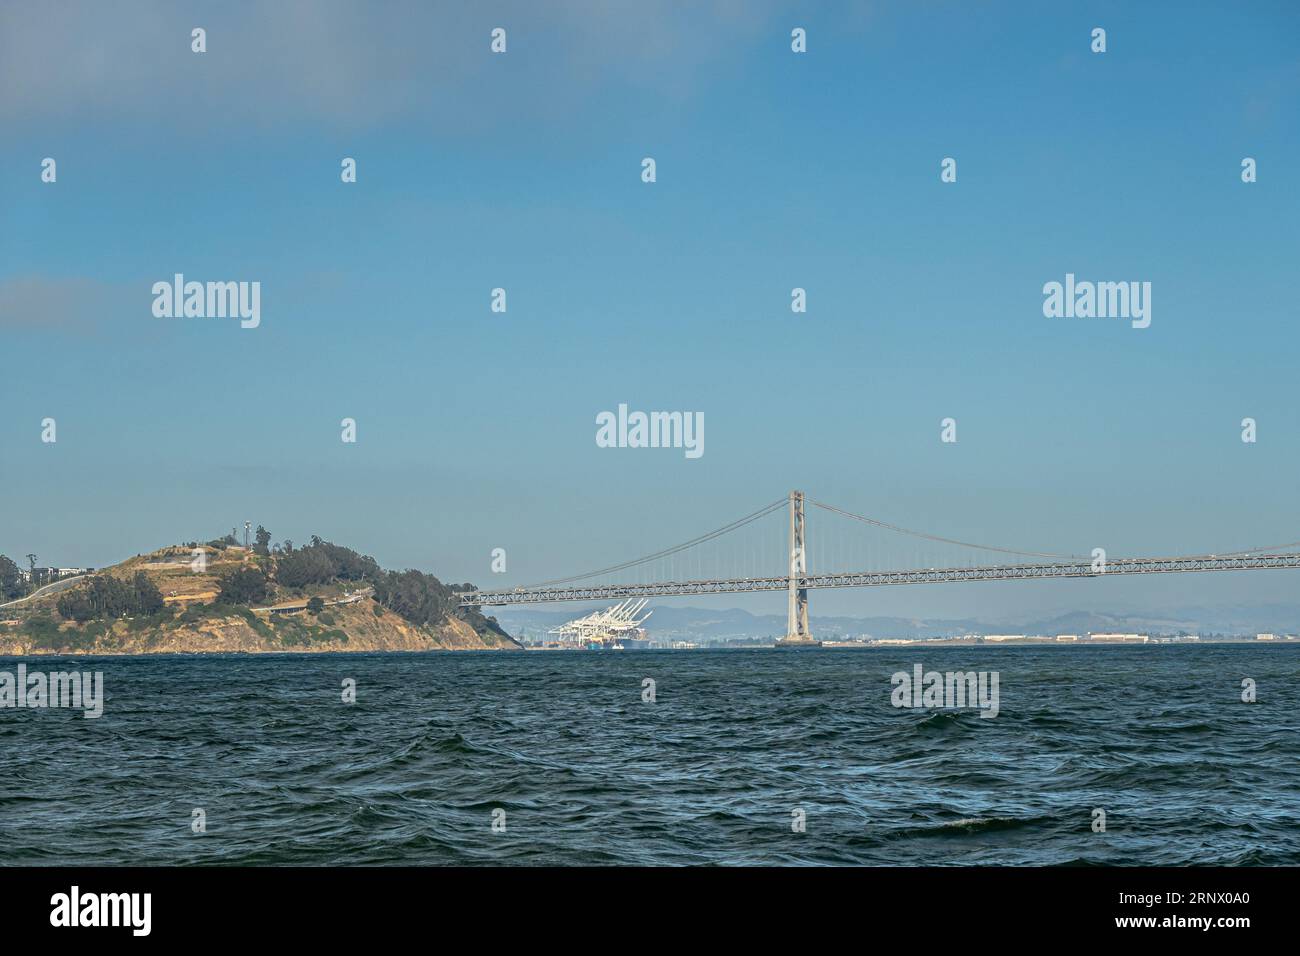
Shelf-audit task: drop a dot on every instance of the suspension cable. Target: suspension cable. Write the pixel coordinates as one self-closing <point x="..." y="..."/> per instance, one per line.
<point x="934" y="537"/>
<point x="738" y="523"/>
<point x="1275" y="548"/>
<point x="1272" y="547"/>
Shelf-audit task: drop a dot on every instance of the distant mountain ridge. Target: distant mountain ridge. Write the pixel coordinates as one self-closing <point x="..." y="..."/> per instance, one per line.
<point x="707" y="624"/>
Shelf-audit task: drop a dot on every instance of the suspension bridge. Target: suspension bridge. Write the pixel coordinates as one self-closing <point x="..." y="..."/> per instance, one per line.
<point x="667" y="573"/>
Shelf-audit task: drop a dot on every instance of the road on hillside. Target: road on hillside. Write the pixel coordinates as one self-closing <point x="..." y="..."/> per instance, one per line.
<point x="54" y="587"/>
<point x="64" y="583"/>
<point x="351" y="597"/>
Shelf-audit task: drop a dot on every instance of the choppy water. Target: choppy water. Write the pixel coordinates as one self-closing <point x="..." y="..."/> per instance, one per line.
<point x="710" y="773"/>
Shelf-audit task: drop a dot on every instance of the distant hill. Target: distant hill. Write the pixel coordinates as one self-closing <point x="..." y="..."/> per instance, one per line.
<point x="705" y="624"/>
<point x="219" y="597"/>
<point x="710" y="625"/>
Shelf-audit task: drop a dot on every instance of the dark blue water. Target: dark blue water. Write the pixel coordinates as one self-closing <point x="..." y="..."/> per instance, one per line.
<point x="710" y="773"/>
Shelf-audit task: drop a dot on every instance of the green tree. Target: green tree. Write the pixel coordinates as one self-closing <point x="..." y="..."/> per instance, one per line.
<point x="104" y="596"/>
<point x="44" y="632"/>
<point x="147" y="598"/>
<point x="420" y="598"/>
<point x="11" y="582"/>
<point x="245" y="586"/>
<point x="263" y="539"/>
<point x="75" y="605"/>
<point x="310" y="565"/>
<point x="315" y="605"/>
<point x="321" y="562"/>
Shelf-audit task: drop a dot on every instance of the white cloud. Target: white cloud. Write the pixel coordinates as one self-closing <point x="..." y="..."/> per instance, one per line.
<point x="355" y="63"/>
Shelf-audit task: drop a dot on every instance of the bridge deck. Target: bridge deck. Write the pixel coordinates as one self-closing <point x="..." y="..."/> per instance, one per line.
<point x="1002" y="572"/>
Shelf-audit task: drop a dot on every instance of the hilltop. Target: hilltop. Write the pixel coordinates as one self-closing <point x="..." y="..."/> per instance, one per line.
<point x="221" y="597"/>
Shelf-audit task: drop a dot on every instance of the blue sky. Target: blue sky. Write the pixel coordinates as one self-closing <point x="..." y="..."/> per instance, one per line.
<point x="775" y="170"/>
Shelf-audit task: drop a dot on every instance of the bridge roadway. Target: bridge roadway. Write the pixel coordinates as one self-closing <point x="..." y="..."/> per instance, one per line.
<point x="1001" y="572"/>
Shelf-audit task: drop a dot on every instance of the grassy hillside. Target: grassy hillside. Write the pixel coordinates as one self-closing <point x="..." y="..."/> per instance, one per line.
<point x="221" y="598"/>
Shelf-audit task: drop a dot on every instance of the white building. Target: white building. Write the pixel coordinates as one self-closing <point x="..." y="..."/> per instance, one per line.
<point x="45" y="575"/>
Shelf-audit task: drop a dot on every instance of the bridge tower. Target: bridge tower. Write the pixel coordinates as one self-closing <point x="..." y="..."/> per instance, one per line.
<point x="797" y="633"/>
